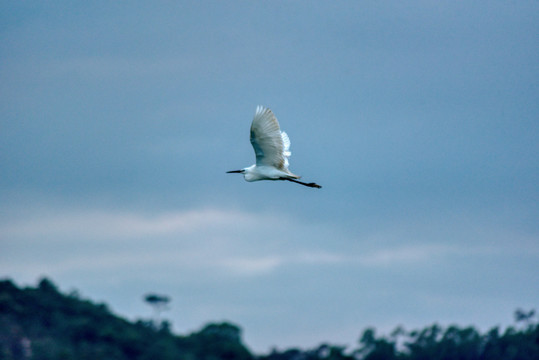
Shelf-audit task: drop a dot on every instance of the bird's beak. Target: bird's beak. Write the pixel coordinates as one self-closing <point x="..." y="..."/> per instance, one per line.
<point x="234" y="171"/>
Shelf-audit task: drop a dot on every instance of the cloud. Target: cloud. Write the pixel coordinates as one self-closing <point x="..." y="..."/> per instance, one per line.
<point x="416" y="254"/>
<point x="210" y="242"/>
<point x="252" y="266"/>
<point x="106" y="224"/>
<point x="231" y="242"/>
<point x="207" y="240"/>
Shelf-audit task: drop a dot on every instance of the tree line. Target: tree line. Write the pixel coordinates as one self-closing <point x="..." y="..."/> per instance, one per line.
<point x="42" y="323"/>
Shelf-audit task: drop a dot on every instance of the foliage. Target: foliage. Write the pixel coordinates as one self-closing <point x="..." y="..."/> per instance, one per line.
<point x="436" y="343"/>
<point x="159" y="304"/>
<point x="322" y="352"/>
<point x="43" y="324"/>
<point x="153" y="299"/>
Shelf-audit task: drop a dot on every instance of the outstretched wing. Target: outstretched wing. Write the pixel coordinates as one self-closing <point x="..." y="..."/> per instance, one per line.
<point x="270" y="144"/>
<point x="286" y="148"/>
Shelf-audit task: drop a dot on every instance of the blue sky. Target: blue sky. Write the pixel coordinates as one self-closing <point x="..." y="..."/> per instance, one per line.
<point x="420" y="120"/>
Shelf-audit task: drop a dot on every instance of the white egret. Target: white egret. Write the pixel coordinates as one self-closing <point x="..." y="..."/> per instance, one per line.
<point x="272" y="150"/>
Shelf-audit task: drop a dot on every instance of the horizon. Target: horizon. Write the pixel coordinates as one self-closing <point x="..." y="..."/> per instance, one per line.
<point x="522" y="319"/>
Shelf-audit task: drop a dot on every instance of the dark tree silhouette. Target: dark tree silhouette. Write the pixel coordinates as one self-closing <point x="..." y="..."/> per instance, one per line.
<point x="41" y="323"/>
<point x="159" y="304"/>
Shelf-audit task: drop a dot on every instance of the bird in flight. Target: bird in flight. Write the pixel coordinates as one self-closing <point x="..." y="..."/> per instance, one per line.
<point x="272" y="150"/>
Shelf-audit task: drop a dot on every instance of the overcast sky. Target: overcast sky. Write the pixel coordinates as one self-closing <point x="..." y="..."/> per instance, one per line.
<point x="420" y="120"/>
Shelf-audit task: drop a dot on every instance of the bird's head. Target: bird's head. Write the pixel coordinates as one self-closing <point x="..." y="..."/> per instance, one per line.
<point x="249" y="173"/>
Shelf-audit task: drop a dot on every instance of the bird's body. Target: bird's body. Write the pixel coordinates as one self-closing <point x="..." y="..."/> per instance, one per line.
<point x="272" y="150"/>
<point x="256" y="173"/>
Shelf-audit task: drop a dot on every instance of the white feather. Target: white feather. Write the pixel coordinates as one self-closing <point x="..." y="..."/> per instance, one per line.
<point x="271" y="146"/>
<point x="272" y="150"/>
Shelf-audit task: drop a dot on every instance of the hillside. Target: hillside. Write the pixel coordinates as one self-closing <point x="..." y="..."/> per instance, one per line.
<point x="41" y="323"/>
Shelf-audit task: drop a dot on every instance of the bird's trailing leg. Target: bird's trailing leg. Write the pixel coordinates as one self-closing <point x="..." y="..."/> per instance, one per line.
<point x="313" y="185"/>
